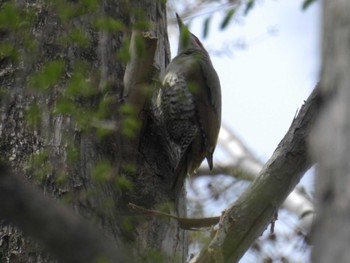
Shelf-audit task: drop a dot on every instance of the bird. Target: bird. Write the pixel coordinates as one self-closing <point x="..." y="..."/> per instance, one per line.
<point x="190" y="104"/>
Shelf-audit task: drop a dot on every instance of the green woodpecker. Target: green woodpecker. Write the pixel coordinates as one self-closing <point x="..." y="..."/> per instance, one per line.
<point x="190" y="103"/>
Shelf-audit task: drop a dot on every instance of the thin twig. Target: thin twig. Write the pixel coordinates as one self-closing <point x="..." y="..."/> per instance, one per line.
<point x="184" y="223"/>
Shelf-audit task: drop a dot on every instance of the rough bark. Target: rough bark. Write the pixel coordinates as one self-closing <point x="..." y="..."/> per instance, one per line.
<point x="331" y="139"/>
<point x="67" y="148"/>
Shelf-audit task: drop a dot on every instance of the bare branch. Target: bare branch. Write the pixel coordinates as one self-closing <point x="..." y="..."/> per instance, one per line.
<point x="245" y="166"/>
<point x="247" y="218"/>
<point x="184" y="222"/>
<point x="68" y="237"/>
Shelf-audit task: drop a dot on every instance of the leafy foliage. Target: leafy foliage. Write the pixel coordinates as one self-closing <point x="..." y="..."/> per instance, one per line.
<point x="10" y="17"/>
<point x="33" y="115"/>
<point x="48" y="76"/>
<point x="102" y="171"/>
<point x="79" y="83"/>
<point x="140" y="45"/>
<point x="227" y="18"/>
<point x="78" y="37"/>
<point x="206" y="26"/>
<point x="40" y="166"/>
<point x="249" y="6"/>
<point x="130" y="121"/>
<point x="123" y="183"/>
<point x="109" y="24"/>
<point x="124" y="52"/>
<point x="307" y="3"/>
<point x="8" y="50"/>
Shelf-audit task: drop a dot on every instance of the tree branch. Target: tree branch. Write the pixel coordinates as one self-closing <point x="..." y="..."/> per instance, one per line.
<point x="244" y="165"/>
<point x="140" y="70"/>
<point x="184" y="222"/>
<point x="139" y="82"/>
<point x="68" y="237"/>
<point x="247" y="218"/>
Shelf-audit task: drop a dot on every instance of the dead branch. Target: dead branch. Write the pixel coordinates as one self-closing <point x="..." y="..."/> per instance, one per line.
<point x="184" y="223"/>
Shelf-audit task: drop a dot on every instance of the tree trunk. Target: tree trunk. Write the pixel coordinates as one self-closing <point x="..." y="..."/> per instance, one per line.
<point x="330" y="139"/>
<point x="62" y="66"/>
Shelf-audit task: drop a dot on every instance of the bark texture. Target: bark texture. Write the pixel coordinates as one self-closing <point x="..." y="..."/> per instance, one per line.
<point x="41" y="218"/>
<point x="330" y="139"/>
<point x="62" y="81"/>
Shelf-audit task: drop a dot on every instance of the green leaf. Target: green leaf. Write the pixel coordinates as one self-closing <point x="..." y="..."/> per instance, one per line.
<point x="43" y="172"/>
<point x="8" y="51"/>
<point x="127" y="109"/>
<point x="28" y="17"/>
<point x="140" y="45"/>
<point x="40" y="165"/>
<point x="72" y="153"/>
<point x="104" y="107"/>
<point x="78" y="85"/>
<point x="48" y="75"/>
<point x="65" y="106"/>
<point x="9" y="17"/>
<point x="90" y="5"/>
<point x="39" y="158"/>
<point x="31" y="45"/>
<point x="130" y="122"/>
<point x="102" y="171"/>
<point x="130" y="125"/>
<point x="124" y="53"/>
<point x="75" y="84"/>
<point x="227" y="18"/>
<point x="142" y="25"/>
<point x="103" y="132"/>
<point x="83" y="117"/>
<point x="249" y="6"/>
<point x="66" y="11"/>
<point x="123" y="183"/>
<point x="78" y="37"/>
<point x="33" y="114"/>
<point x="307" y="3"/>
<point x="110" y="24"/>
<point x="62" y="179"/>
<point x="206" y="27"/>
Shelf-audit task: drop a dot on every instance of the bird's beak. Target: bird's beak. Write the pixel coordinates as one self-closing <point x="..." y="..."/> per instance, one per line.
<point x="179" y="21"/>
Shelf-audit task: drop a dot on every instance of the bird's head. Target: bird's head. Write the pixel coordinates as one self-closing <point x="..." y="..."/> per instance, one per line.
<point x="187" y="40"/>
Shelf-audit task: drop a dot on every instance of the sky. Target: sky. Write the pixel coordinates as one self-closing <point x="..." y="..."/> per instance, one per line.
<point x="264" y="84"/>
<point x="265" y="80"/>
